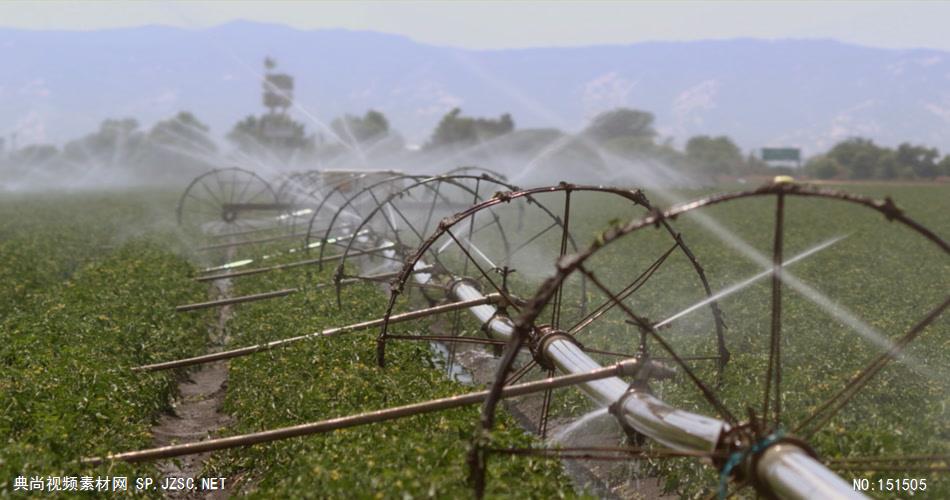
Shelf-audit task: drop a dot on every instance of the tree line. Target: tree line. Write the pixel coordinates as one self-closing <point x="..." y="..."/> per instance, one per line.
<point x="184" y="141"/>
<point x="860" y="158"/>
<point x="181" y="141"/>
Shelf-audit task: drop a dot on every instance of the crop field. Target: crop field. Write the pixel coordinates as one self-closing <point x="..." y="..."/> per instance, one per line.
<point x="88" y="283"/>
<point x="91" y="282"/>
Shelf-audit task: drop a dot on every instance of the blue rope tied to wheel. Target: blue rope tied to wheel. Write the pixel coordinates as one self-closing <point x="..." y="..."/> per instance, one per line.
<point x="737" y="457"/>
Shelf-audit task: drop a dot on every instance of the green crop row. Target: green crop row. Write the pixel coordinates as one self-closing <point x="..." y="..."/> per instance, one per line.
<point x="86" y="296"/>
<point x="67" y="391"/>
<point x="420" y="456"/>
<point x="45" y="238"/>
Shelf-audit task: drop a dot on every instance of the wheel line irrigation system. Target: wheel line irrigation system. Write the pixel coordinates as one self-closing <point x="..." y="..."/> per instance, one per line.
<point x="368" y="220"/>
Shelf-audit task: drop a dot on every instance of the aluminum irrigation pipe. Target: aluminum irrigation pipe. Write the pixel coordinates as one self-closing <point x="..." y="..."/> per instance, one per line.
<point x="787" y="469"/>
<point x="624" y="368"/>
<point x="287" y="291"/>
<point x="223" y="246"/>
<point x="243" y="351"/>
<point x="245" y="232"/>
<point x="692" y="432"/>
<point x="236" y="300"/>
<point x="244" y="262"/>
<point x="289" y="265"/>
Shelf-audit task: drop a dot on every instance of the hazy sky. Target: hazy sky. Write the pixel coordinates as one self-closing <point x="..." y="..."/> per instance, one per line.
<point x="497" y="24"/>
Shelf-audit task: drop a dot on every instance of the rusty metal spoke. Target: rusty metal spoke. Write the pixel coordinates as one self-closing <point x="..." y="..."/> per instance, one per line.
<point x="244" y="189"/>
<point x="521" y="372"/>
<point x="531" y="240"/>
<point x="212" y="195"/>
<point x="707" y="393"/>
<point x="435" y="198"/>
<point x="559" y="294"/>
<point x="216" y="209"/>
<point x="827" y="410"/>
<point x="545" y="410"/>
<point x="415" y="231"/>
<point x="626" y="292"/>
<point x="774" y="369"/>
<point x="217" y="179"/>
<point x="481" y="270"/>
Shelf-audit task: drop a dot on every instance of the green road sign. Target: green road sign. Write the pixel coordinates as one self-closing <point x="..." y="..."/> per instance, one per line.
<point x="781" y="154"/>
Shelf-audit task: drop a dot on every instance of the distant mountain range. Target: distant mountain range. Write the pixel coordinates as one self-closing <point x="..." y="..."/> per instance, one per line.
<point x="57" y="85"/>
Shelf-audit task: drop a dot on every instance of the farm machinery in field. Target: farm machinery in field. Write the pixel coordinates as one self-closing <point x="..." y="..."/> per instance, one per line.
<point x="549" y="298"/>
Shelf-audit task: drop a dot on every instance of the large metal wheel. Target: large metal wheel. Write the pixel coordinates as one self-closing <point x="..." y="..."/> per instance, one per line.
<point x="475" y="170"/>
<point x="541" y="227"/>
<point x="345" y="204"/>
<point x="228" y="202"/>
<point x="403" y="219"/>
<point x="301" y="186"/>
<point x="744" y="448"/>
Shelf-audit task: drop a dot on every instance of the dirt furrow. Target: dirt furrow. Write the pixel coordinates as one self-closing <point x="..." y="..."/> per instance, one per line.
<point x="196" y="412"/>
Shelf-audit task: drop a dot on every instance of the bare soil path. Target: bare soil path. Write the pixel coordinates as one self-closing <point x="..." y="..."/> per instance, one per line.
<point x="196" y="412"/>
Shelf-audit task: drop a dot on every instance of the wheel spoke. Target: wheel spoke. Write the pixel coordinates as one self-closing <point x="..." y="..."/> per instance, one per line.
<point x="231" y="190"/>
<point x="530" y="241"/>
<point x="257" y="193"/>
<point x="391" y="223"/>
<point x="215" y="208"/>
<point x="211" y="194"/>
<point x="774" y="369"/>
<point x="706" y="391"/>
<point x="217" y="180"/>
<point x="545" y="410"/>
<point x="824" y="413"/>
<point x="481" y="271"/>
<point x="558" y="295"/>
<point x="627" y="291"/>
<point x="521" y="372"/>
<point x="471" y="226"/>
<point x="435" y="198"/>
<point x="244" y="188"/>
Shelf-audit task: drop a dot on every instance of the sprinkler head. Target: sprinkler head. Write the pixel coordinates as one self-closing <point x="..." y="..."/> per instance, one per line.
<point x="629" y="367"/>
<point x="783" y="179"/>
